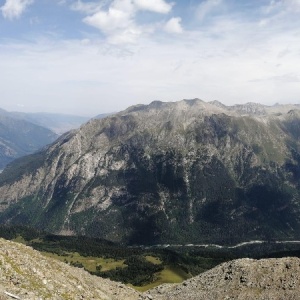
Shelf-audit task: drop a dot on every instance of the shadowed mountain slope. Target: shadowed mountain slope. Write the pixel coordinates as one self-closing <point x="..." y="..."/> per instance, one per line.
<point x="182" y="172"/>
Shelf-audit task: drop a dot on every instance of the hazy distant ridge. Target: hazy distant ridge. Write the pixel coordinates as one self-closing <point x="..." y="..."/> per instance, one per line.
<point x="58" y="123"/>
<point x="20" y="137"/>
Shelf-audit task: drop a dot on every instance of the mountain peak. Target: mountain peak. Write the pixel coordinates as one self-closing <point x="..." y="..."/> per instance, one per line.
<point x="169" y="172"/>
<point x="250" y="108"/>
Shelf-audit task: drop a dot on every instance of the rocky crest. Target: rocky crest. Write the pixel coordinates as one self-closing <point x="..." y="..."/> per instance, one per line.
<point x="187" y="172"/>
<point x="268" y="279"/>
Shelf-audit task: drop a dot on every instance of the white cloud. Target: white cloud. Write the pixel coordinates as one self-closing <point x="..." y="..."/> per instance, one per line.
<point x="292" y="4"/>
<point x="62" y="2"/>
<point x="232" y="58"/>
<point x="285" y="78"/>
<point x="281" y="6"/>
<point x="88" y="7"/>
<point x="127" y="36"/>
<point x="173" y="26"/>
<point x="108" y="21"/>
<point x="273" y="5"/>
<point x="207" y="7"/>
<point x="118" y="21"/>
<point x="158" y="6"/>
<point x="14" y="8"/>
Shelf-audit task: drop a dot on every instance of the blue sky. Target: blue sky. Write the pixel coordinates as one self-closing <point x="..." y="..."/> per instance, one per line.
<point x="92" y="57"/>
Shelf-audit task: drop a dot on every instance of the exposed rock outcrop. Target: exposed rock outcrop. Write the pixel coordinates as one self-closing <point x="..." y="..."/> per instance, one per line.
<point x="29" y="275"/>
<point x="243" y="279"/>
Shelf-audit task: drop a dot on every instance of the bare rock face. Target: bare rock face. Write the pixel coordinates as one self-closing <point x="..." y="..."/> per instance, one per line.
<point x="28" y="275"/>
<point x="243" y="279"/>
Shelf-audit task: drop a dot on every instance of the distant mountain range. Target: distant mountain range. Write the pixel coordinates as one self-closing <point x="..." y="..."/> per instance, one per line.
<point x="177" y="172"/>
<point x="58" y="123"/>
<point x="24" y="133"/>
<point x="19" y="137"/>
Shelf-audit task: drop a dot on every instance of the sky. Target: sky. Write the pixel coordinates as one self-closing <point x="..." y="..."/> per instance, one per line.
<point x="92" y="57"/>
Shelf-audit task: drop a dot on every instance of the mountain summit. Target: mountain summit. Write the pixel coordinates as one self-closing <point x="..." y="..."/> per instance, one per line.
<point x="176" y="172"/>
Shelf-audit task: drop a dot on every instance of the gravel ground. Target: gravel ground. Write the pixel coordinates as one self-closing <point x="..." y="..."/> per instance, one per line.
<point x="27" y="275"/>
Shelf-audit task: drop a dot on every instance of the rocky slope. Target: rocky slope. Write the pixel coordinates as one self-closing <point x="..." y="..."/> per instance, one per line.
<point x="28" y="275"/>
<point x="187" y="172"/>
<point x="268" y="279"/>
<point x="20" y="137"/>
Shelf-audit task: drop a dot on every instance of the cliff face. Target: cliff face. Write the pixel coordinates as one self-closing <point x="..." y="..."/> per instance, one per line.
<point x="187" y="171"/>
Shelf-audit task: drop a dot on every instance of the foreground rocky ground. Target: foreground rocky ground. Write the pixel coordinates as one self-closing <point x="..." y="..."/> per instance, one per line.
<point x="26" y="274"/>
<point x="265" y="279"/>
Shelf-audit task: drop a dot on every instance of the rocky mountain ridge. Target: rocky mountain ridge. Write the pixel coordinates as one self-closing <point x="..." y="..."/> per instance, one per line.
<point x="182" y="172"/>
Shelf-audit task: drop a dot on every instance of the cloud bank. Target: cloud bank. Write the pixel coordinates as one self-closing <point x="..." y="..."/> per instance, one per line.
<point x="13" y="9"/>
<point x="118" y="22"/>
<point x="122" y="52"/>
<point x="174" y="26"/>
